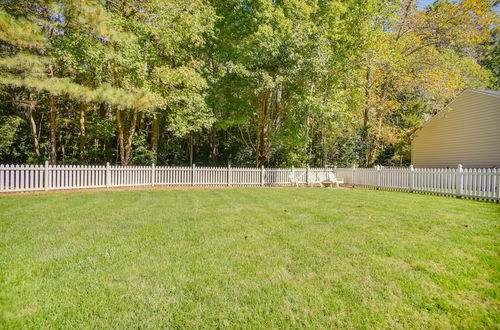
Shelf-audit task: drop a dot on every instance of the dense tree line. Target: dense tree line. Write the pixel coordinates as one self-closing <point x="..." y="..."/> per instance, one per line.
<point x="253" y="82"/>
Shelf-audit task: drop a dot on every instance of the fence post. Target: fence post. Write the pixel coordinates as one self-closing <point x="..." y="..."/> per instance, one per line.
<point x="459" y="180"/>
<point x="153" y="174"/>
<point x="378" y="176"/>
<point x="353" y="175"/>
<point x="46" y="176"/>
<point x="335" y="170"/>
<point x="497" y="174"/>
<point x="229" y="175"/>
<point x="108" y="175"/>
<point x="307" y="176"/>
<point x="192" y="174"/>
<point x="262" y="176"/>
<point x="411" y="181"/>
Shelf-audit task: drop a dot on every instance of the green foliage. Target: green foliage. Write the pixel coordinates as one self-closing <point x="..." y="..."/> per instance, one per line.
<point x="9" y="127"/>
<point x="491" y="59"/>
<point x="143" y="154"/>
<point x="257" y="82"/>
<point x="20" y="32"/>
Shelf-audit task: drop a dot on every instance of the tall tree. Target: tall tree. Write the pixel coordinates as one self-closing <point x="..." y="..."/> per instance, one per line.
<point x="254" y="82"/>
<point x="418" y="61"/>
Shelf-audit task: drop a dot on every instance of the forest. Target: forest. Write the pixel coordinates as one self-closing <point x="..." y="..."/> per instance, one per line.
<point x="241" y="82"/>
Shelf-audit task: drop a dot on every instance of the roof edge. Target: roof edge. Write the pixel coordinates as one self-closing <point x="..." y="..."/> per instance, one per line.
<point x="439" y="112"/>
<point x="480" y="91"/>
<point x="485" y="91"/>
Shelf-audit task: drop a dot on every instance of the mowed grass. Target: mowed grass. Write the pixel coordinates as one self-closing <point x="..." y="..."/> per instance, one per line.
<point x="248" y="257"/>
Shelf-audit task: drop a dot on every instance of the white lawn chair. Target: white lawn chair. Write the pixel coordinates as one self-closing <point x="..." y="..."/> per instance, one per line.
<point x="293" y="180"/>
<point x="318" y="180"/>
<point x="332" y="180"/>
<point x="297" y="178"/>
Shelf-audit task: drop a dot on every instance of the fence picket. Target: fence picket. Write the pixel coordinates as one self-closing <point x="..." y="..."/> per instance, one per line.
<point x="466" y="182"/>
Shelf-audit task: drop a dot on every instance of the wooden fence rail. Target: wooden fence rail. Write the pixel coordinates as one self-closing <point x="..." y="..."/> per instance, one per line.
<point x="460" y="182"/>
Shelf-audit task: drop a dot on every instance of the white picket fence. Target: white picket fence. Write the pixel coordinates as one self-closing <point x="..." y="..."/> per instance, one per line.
<point x="472" y="183"/>
<point x="48" y="177"/>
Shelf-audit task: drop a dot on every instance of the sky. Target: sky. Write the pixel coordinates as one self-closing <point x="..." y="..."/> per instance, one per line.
<point x="424" y="3"/>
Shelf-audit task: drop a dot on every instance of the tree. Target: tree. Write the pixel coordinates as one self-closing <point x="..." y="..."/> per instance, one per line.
<point x="31" y="57"/>
<point x="418" y="61"/>
<point x="255" y="82"/>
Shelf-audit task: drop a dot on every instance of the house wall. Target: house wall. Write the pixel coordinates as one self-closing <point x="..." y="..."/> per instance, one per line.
<point x="467" y="132"/>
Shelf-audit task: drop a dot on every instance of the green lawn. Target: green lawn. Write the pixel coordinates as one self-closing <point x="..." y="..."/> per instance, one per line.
<point x="248" y="257"/>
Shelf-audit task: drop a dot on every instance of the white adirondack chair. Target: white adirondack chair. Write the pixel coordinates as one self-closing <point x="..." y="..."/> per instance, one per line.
<point x="325" y="180"/>
<point x="332" y="179"/>
<point x="293" y="180"/>
<point x="318" y="180"/>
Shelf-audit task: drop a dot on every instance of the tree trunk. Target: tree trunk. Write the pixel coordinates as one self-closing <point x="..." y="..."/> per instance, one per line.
<point x="323" y="144"/>
<point x="121" y="137"/>
<point x="125" y="137"/>
<point x="53" y="130"/>
<point x="213" y="146"/>
<point x="155" y="136"/>
<point x="142" y="123"/>
<point x="366" y="138"/>
<point x="309" y="129"/>
<point x="63" y="152"/>
<point x="191" y="147"/>
<point x="262" y="130"/>
<point x="33" y="128"/>
<point x="368" y="95"/>
<point x="130" y="138"/>
<point x="83" y="135"/>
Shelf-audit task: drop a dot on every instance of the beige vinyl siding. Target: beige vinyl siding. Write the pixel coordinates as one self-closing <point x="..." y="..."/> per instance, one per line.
<point x="466" y="132"/>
